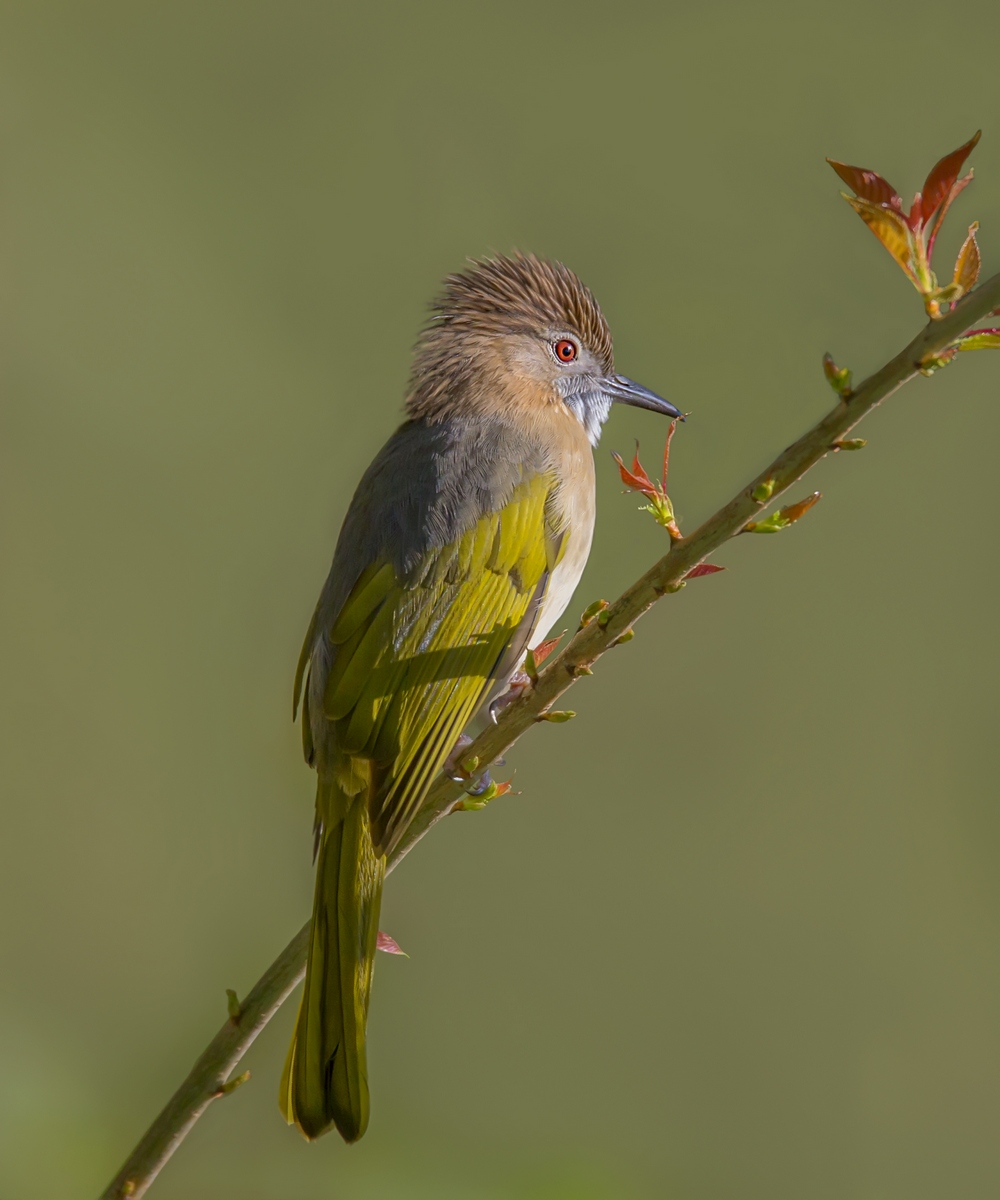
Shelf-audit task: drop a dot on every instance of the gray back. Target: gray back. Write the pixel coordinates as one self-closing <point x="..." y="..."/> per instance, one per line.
<point x="426" y="486"/>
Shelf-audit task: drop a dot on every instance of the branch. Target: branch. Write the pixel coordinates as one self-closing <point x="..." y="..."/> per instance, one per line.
<point x="209" y="1077"/>
<point x="666" y="576"/>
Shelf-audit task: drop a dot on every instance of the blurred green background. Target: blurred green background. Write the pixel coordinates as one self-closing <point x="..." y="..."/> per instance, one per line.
<point x="738" y="937"/>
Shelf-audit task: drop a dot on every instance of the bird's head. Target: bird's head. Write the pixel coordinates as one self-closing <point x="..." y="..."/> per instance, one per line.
<point x="517" y="333"/>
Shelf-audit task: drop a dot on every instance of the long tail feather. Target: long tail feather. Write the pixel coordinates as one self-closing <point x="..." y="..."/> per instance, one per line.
<point x="325" y="1081"/>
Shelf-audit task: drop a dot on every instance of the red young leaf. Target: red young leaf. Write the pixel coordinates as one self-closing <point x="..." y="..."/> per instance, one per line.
<point x="868" y="185"/>
<point x="956" y="188"/>
<point x="388" y="944"/>
<point x="542" y="651"/>
<point x="636" y="479"/>
<point x="943" y="176"/>
<point x="914" y="220"/>
<point x="703" y="569"/>
<point x="656" y="493"/>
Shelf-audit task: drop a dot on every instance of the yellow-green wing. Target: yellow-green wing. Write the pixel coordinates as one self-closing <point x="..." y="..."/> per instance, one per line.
<point x="416" y="657"/>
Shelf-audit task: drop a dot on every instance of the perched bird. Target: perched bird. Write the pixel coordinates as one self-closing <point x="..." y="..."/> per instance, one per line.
<point x="462" y="546"/>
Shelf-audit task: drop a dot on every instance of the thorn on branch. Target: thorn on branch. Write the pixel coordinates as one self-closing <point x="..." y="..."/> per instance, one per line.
<point x="234" y="1006"/>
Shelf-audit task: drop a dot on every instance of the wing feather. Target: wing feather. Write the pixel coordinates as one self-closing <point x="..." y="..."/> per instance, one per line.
<point x="413" y="657"/>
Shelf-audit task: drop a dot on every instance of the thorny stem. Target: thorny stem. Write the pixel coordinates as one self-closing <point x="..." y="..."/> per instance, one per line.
<point x="211" y="1072"/>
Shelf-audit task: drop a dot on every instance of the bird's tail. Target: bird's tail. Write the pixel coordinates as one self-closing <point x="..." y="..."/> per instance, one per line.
<point x="325" y="1080"/>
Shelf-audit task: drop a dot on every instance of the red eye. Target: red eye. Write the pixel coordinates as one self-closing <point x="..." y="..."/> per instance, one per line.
<point x="565" y="350"/>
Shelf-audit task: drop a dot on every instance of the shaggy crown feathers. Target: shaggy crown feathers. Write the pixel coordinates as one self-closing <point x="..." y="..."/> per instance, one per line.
<point x="518" y="293"/>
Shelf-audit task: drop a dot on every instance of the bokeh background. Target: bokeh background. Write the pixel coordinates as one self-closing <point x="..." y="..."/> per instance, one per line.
<point x="738" y="937"/>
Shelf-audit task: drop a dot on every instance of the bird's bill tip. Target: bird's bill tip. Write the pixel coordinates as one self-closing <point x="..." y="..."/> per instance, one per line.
<point x="627" y="391"/>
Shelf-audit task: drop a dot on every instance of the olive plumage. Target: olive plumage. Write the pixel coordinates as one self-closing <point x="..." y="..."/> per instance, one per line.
<point x="462" y="546"/>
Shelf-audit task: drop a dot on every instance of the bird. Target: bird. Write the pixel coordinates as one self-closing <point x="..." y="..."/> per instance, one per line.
<point x="461" y="548"/>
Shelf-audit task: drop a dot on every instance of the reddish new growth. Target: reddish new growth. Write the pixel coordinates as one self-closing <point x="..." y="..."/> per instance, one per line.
<point x="909" y="236"/>
<point x="542" y="651"/>
<point x="384" y="942"/>
<point x="659" y="505"/>
<point x="637" y="480"/>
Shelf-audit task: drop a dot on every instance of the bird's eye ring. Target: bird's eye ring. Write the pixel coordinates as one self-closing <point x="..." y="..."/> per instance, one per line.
<point x="566" y="350"/>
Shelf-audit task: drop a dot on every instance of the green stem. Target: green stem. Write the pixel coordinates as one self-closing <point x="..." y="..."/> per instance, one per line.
<point x="210" y="1073"/>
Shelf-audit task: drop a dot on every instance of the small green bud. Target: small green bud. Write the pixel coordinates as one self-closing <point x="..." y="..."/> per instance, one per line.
<point x="763" y="491"/>
<point x="558" y="717"/>
<point x="234" y="1006"/>
<point x="591" y="611"/>
<point x="233" y="1084"/>
<point x="839" y="378"/>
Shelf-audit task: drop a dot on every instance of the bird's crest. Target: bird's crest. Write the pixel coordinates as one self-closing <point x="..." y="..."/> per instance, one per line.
<point x="517" y="293"/>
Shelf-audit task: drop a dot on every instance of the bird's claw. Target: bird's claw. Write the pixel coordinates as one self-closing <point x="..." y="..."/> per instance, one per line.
<point x="453" y="767"/>
<point x="482" y="784"/>
<point x="520" y="682"/>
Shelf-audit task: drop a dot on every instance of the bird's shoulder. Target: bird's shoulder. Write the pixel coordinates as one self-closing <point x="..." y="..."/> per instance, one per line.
<point x="428" y="485"/>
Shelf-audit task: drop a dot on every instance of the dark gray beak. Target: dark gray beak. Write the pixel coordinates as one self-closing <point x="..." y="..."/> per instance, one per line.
<point x="618" y="387"/>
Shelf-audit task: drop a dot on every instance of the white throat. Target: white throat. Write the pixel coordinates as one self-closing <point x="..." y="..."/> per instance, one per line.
<point x="591" y="409"/>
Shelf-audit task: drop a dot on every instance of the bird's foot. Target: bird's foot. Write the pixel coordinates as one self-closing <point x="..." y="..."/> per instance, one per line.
<point x="453" y="767"/>
<point x="520" y="682"/>
<point x="478" y="797"/>
<point x="524" y="679"/>
<point x="481" y="786"/>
